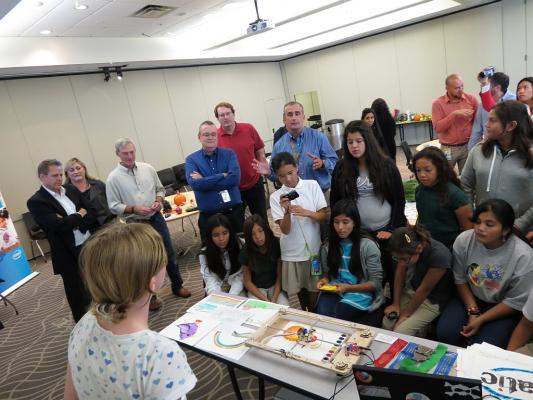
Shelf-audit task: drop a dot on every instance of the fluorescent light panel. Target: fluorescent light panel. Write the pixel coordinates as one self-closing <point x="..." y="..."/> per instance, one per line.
<point x="371" y="25"/>
<point x="343" y="14"/>
<point x="24" y="15"/>
<point x="230" y="22"/>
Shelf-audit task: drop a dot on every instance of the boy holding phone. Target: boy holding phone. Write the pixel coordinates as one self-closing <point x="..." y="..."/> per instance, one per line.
<point x="298" y="207"/>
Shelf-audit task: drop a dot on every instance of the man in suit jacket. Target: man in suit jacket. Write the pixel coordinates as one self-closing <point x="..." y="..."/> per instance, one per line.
<point x="63" y="215"/>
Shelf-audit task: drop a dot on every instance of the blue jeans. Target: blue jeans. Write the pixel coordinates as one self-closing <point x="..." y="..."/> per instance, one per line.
<point x="454" y="317"/>
<point x="329" y="304"/>
<point x="160" y="225"/>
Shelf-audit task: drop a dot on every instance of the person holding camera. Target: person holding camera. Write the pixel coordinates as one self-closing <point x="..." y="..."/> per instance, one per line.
<point x="453" y="115"/>
<point x="298" y="207"/>
<point x="494" y="85"/>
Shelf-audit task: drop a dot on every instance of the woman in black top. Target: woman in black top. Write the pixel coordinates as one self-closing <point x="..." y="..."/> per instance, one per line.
<point x="387" y="124"/>
<point x="92" y="189"/>
<point x="369" y="117"/>
<point x="372" y="179"/>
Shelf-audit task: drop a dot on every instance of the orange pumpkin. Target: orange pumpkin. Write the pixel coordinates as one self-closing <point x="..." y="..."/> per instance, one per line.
<point x="180" y="199"/>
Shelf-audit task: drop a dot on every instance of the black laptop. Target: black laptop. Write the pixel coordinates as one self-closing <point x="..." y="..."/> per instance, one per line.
<point x="382" y="383"/>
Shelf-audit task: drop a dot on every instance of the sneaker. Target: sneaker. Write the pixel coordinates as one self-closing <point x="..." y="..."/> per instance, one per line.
<point x="182" y="292"/>
<point x="155" y="303"/>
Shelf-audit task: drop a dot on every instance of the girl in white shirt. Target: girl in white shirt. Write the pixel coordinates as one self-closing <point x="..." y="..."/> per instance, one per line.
<point x="219" y="259"/>
<point x="111" y="352"/>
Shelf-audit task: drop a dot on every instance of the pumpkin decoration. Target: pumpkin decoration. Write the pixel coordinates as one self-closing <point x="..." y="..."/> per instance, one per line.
<point x="180" y="199"/>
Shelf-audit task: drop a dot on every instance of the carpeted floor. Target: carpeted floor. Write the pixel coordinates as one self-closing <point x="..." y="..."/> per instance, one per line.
<point x="33" y="344"/>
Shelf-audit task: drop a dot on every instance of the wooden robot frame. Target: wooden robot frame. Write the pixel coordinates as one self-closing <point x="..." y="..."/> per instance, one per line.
<point x="304" y="334"/>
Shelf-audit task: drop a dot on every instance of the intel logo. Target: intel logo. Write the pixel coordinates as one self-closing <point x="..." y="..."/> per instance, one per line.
<point x="16" y="254"/>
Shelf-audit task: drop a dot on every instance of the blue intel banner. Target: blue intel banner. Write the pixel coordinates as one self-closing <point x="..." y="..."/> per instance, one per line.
<point x="14" y="267"/>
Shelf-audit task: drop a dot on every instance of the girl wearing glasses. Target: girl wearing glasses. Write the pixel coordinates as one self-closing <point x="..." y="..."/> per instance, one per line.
<point x="422" y="280"/>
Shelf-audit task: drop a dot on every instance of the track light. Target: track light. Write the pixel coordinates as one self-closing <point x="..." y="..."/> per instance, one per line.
<point x="119" y="73"/>
<point x="107" y="75"/>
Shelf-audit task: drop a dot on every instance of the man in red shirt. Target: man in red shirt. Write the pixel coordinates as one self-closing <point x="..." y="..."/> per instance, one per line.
<point x="244" y="140"/>
<point x="453" y="116"/>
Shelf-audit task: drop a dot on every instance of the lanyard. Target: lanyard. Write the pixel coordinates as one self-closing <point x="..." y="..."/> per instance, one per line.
<point x="295" y="147"/>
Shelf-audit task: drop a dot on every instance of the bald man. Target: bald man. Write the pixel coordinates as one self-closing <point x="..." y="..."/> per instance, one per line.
<point x="453" y="115"/>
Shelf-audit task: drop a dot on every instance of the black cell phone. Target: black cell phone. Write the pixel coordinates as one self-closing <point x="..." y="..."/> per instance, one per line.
<point x="392" y="315"/>
<point x="293" y="194"/>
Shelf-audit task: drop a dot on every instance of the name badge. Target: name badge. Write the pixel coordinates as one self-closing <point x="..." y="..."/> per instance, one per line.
<point x="225" y="196"/>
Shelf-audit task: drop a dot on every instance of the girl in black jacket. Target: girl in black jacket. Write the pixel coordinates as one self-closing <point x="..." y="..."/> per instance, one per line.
<point x="372" y="179"/>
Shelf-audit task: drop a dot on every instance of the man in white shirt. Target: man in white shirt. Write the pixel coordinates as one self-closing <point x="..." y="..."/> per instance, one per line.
<point x="135" y="193"/>
<point x="66" y="218"/>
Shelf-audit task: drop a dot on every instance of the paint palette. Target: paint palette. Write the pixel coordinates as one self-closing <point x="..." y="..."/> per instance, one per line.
<point x="321" y="341"/>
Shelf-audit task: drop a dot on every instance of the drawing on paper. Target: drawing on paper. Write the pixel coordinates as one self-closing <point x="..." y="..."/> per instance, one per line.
<point x="216" y="302"/>
<point x="227" y="341"/>
<point x="190" y="328"/>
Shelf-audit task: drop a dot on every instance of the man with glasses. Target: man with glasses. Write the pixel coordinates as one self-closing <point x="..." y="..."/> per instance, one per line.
<point x="309" y="147"/>
<point x="244" y="140"/>
<point x="214" y="175"/>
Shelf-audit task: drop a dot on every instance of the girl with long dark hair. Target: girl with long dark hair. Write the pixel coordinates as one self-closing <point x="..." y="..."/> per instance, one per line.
<point x="219" y="259"/>
<point x="493" y="271"/>
<point x="502" y="166"/>
<point x="353" y="269"/>
<point x="368" y="116"/>
<point x="369" y="177"/>
<point x="442" y="206"/>
<point x="386" y="123"/>
<point x="260" y="258"/>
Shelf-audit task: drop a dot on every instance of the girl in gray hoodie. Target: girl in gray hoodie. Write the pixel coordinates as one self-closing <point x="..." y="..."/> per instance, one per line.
<point x="502" y="166"/>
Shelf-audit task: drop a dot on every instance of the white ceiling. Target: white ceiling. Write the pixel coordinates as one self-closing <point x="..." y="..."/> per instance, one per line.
<point x="195" y="32"/>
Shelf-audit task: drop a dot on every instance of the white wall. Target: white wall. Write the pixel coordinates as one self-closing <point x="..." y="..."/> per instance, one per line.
<point x="407" y="67"/>
<point x="82" y="116"/>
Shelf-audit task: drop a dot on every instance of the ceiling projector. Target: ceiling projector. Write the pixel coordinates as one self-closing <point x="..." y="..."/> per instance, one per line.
<point x="261" y="25"/>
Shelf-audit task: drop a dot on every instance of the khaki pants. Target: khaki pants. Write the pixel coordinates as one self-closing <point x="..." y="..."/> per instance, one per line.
<point x="422" y="317"/>
<point x="526" y="349"/>
<point x="456" y="155"/>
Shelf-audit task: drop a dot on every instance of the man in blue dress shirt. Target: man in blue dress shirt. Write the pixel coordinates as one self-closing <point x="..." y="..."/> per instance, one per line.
<point x="214" y="175"/>
<point x="309" y="147"/>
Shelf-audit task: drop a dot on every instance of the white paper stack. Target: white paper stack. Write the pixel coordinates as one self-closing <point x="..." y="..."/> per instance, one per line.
<point x="504" y="374"/>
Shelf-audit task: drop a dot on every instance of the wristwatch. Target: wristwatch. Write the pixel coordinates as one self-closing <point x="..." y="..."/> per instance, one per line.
<point x="473" y="311"/>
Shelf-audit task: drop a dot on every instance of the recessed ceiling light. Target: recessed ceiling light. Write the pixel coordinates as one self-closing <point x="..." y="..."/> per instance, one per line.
<point x="39" y="4"/>
<point x="79" y="6"/>
<point x="45" y="32"/>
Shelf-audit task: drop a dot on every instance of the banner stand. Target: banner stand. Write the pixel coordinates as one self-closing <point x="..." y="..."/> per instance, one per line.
<point x="14" y="267"/>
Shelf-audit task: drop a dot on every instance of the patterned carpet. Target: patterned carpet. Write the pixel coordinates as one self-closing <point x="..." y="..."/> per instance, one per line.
<point x="33" y="345"/>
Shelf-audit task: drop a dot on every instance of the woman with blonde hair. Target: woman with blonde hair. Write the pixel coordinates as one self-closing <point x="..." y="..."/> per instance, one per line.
<point x="112" y="353"/>
<point x="91" y="188"/>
